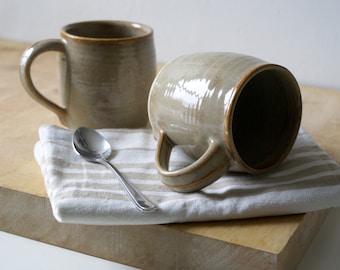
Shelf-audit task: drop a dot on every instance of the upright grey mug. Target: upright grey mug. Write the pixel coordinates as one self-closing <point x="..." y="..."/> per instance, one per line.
<point x="106" y="70"/>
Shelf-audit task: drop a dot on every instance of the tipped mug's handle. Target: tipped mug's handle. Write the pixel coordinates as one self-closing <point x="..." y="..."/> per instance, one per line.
<point x="25" y="72"/>
<point x="207" y="169"/>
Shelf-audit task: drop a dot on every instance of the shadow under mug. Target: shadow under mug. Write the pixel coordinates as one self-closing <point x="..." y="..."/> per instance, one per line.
<point x="228" y="111"/>
<point x="106" y="70"/>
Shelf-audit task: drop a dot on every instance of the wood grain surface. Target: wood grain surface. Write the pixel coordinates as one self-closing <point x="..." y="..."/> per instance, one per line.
<point x="261" y="243"/>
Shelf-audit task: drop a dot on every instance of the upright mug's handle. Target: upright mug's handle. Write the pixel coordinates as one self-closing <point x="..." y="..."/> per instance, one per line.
<point x="25" y="72"/>
<point x="202" y="172"/>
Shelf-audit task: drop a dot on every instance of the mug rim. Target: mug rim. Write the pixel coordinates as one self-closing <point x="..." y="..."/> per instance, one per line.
<point x="228" y="124"/>
<point x="146" y="31"/>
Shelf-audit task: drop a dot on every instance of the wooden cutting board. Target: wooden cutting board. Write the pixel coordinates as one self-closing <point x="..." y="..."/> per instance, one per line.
<point x="261" y="243"/>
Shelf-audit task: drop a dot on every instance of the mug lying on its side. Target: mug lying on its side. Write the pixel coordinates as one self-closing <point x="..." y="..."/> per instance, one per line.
<point x="226" y="110"/>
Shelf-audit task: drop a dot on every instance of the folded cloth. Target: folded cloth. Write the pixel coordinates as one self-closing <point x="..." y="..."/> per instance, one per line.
<point x="88" y="193"/>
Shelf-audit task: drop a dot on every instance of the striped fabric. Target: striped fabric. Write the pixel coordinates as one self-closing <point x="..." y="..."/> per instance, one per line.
<point x="88" y="193"/>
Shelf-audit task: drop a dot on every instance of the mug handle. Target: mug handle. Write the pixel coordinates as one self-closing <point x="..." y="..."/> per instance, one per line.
<point x="214" y="163"/>
<point x="25" y="72"/>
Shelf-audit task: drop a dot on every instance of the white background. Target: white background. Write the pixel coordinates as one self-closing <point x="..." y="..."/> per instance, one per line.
<point x="303" y="35"/>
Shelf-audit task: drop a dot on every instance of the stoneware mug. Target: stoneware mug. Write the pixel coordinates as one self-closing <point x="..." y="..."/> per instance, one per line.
<point x="228" y="111"/>
<point x="106" y="70"/>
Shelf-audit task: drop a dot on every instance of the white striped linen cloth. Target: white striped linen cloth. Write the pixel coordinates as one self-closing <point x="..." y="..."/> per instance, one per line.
<point x="88" y="193"/>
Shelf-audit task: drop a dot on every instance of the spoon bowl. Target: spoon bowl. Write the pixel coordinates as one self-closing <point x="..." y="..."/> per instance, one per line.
<point x="95" y="148"/>
<point x="90" y="144"/>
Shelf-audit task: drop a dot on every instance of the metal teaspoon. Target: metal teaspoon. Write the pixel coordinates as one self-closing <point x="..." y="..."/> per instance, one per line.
<point x="95" y="148"/>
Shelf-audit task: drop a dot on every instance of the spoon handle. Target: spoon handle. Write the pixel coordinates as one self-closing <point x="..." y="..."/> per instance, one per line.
<point x="135" y="195"/>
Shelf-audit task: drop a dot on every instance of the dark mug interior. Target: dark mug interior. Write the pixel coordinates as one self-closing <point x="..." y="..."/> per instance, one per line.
<point x="265" y="118"/>
<point x="107" y="30"/>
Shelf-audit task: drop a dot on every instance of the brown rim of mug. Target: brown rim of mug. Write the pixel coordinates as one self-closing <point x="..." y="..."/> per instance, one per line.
<point x="228" y="124"/>
<point x="145" y="31"/>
